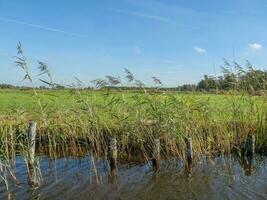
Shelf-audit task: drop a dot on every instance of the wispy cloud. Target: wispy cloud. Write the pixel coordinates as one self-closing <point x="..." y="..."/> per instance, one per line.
<point x="42" y="27"/>
<point x="200" y="50"/>
<point x="144" y="15"/>
<point x="169" y="61"/>
<point x="154" y="17"/>
<point x="137" y="50"/>
<point x="255" y="46"/>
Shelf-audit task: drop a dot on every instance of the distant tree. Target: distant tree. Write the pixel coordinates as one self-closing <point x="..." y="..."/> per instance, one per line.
<point x="208" y="83"/>
<point x="7" y="86"/>
<point x="188" y="87"/>
<point x="249" y="80"/>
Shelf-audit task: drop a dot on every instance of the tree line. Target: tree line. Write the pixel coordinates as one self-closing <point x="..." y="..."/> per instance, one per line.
<point x="233" y="77"/>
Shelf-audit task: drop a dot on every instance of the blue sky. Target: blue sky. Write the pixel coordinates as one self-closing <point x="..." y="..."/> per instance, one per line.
<point x="175" y="40"/>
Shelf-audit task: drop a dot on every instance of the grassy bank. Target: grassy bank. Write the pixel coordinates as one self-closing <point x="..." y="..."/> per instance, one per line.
<point x="78" y="120"/>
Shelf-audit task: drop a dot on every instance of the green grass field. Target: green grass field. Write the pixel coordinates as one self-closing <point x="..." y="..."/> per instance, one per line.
<point x="216" y="123"/>
<point x="24" y="99"/>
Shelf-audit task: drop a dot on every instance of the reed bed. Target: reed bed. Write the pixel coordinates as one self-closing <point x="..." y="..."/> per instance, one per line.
<point x="135" y="119"/>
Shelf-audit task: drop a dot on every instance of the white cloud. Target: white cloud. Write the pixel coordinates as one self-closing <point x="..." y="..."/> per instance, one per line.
<point x="200" y="50"/>
<point x="255" y="46"/>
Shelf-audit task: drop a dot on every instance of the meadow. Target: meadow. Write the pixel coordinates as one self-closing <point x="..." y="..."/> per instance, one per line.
<point x="77" y="121"/>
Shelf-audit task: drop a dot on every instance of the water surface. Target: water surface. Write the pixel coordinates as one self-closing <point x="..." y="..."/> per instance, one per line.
<point x="87" y="178"/>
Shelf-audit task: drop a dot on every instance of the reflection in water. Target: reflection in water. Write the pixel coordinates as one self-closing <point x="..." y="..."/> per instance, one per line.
<point x="88" y="178"/>
<point x="247" y="165"/>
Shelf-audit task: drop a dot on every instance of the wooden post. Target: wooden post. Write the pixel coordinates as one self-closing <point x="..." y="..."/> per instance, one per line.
<point x="113" y="153"/>
<point x="250" y="145"/>
<point x="247" y="153"/>
<point x="156" y="155"/>
<point x="243" y="147"/>
<point x="189" y="151"/>
<point x="31" y="142"/>
<point x="33" y="180"/>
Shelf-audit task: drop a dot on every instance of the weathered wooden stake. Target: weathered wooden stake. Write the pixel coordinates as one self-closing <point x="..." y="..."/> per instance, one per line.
<point x="32" y="142"/>
<point x="250" y="145"/>
<point x="113" y="153"/>
<point x="31" y="153"/>
<point x="247" y="153"/>
<point x="243" y="147"/>
<point x="156" y="155"/>
<point x="189" y="151"/>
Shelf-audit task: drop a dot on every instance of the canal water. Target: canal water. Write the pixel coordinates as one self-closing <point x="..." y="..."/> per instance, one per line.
<point x="88" y="178"/>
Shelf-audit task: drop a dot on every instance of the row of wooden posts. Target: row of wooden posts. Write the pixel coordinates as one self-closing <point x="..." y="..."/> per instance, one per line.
<point x="113" y="153"/>
<point x="247" y="152"/>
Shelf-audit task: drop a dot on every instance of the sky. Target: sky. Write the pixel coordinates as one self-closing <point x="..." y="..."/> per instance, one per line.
<point x="177" y="41"/>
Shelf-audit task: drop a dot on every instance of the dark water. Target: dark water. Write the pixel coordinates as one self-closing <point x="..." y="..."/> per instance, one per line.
<point x="75" y="178"/>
